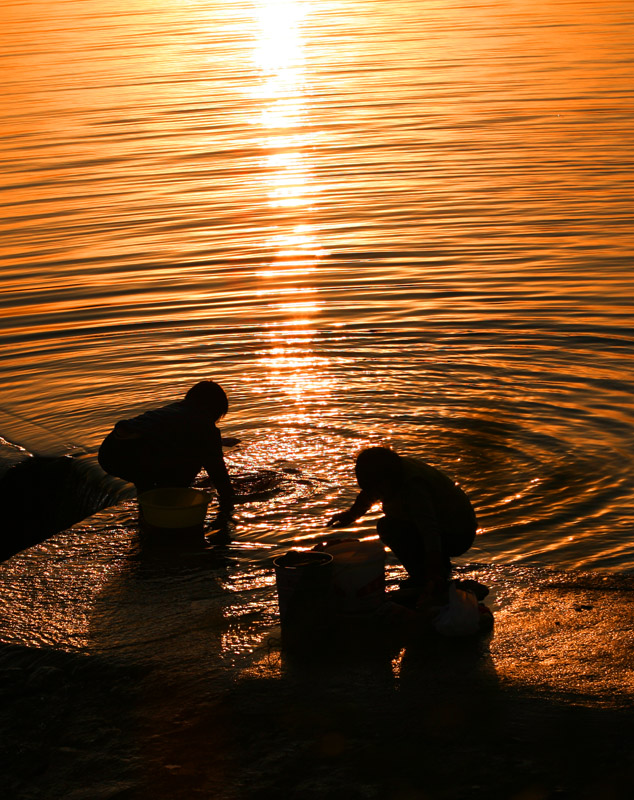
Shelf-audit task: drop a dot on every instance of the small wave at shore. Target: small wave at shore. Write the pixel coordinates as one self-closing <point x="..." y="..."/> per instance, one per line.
<point x="42" y="495"/>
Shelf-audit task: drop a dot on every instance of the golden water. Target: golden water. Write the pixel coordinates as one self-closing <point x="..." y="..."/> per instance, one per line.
<point x="406" y="222"/>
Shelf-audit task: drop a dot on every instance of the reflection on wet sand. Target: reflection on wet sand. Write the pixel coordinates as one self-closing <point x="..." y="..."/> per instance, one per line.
<point x="181" y="685"/>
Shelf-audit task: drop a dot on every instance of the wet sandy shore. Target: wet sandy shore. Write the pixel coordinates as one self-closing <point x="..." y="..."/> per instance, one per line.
<point x="539" y="708"/>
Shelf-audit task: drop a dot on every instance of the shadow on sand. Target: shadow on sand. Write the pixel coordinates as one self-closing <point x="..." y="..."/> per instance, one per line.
<point x="166" y="710"/>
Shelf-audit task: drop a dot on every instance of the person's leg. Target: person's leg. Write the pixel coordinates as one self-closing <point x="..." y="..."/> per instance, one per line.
<point x="117" y="457"/>
<point x="459" y="526"/>
<point x="406" y="544"/>
<point x="175" y="475"/>
<point x="126" y="459"/>
<point x="164" y="478"/>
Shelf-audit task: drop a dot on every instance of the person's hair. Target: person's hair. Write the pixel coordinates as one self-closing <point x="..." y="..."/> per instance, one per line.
<point x="377" y="465"/>
<point x="209" y="398"/>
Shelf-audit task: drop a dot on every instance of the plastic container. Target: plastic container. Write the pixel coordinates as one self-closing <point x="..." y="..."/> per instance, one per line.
<point x="173" y="510"/>
<point x="305" y="597"/>
<point x="358" y="575"/>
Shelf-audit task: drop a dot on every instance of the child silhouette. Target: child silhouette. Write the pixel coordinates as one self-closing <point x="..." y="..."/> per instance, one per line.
<point x="428" y="518"/>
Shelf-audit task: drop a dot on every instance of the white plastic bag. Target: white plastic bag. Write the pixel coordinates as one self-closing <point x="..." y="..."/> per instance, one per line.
<point x="461" y="615"/>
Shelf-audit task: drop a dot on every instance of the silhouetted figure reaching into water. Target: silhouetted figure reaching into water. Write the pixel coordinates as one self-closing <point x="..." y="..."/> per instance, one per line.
<point x="169" y="446"/>
<point x="428" y="518"/>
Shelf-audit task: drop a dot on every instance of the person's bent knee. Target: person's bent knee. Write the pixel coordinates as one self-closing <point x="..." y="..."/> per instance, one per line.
<point x="390" y="529"/>
<point x="118" y="459"/>
<point x="457" y="545"/>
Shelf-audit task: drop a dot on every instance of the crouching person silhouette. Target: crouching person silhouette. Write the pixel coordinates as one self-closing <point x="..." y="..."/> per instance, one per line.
<point x="169" y="446"/>
<point x="428" y="518"/>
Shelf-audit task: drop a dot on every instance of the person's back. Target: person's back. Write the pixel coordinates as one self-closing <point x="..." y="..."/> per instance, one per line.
<point x="451" y="505"/>
<point x="168" y="446"/>
<point x="177" y="431"/>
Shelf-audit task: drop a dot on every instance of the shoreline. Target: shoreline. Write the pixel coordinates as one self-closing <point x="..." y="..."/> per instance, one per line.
<point x="540" y="708"/>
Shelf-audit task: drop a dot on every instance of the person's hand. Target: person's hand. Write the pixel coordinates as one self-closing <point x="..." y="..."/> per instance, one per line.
<point x="229" y="441"/>
<point x="225" y="511"/>
<point x="219" y="530"/>
<point x="342" y="519"/>
<point x="220" y="522"/>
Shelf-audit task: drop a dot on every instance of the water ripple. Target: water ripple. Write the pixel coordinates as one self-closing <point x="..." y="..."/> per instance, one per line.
<point x="414" y="229"/>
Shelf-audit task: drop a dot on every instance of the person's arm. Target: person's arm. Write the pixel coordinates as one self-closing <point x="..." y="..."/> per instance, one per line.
<point x="216" y="469"/>
<point x="362" y="504"/>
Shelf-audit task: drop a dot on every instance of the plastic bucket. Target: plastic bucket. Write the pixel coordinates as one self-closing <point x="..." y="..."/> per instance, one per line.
<point x="358" y="575"/>
<point x="173" y="512"/>
<point x="304" y="592"/>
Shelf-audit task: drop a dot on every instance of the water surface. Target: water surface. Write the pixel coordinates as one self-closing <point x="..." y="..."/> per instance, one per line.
<point x="406" y="223"/>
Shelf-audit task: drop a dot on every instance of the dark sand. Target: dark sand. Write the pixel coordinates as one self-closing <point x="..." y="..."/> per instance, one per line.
<point x="540" y="708"/>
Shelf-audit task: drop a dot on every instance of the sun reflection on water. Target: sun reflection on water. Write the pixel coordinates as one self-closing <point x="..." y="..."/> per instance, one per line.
<point x="279" y="58"/>
<point x="287" y="360"/>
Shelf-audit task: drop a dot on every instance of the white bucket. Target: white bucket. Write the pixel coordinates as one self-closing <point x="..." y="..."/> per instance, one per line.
<point x="358" y="575"/>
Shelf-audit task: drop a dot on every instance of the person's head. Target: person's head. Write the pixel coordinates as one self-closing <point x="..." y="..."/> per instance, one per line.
<point x="208" y="398"/>
<point x="378" y="469"/>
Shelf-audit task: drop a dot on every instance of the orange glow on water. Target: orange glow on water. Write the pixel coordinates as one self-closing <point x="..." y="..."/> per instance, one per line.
<point x="279" y="58"/>
<point x="411" y="218"/>
<point x="290" y="366"/>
